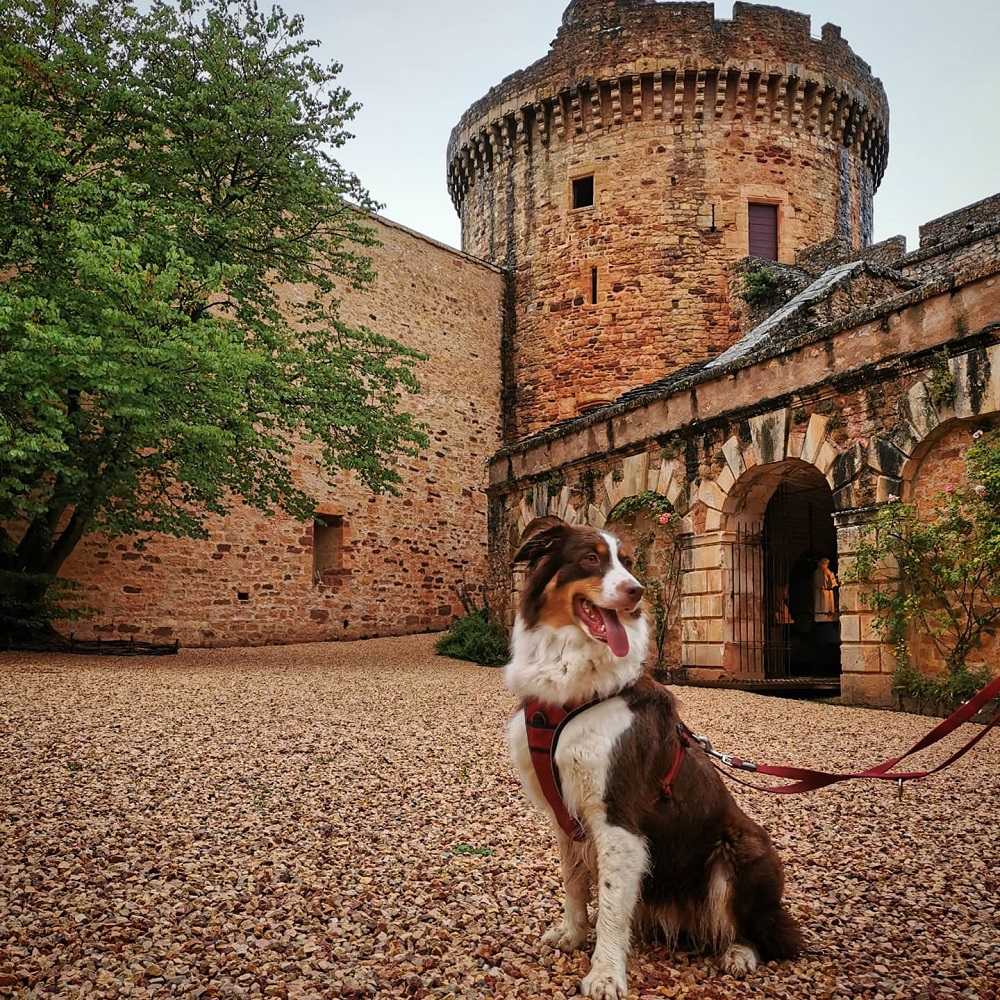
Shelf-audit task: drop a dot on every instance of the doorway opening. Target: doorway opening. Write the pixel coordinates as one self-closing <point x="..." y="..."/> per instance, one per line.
<point x="784" y="588"/>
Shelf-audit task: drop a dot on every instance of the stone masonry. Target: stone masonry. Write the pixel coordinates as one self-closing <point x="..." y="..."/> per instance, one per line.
<point x="831" y="392"/>
<point x="680" y="121"/>
<point x="399" y="560"/>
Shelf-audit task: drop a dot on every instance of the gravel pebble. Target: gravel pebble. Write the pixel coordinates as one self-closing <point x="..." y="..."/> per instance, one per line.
<point x="340" y="820"/>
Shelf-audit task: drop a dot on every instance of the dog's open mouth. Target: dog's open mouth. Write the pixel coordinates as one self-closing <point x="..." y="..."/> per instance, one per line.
<point x="602" y="624"/>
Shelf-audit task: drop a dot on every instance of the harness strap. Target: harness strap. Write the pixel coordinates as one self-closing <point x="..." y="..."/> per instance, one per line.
<point x="807" y="780"/>
<point x="544" y="724"/>
<point x="683" y="742"/>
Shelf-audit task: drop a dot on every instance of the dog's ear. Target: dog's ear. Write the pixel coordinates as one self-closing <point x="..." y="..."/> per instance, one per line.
<point x="538" y="538"/>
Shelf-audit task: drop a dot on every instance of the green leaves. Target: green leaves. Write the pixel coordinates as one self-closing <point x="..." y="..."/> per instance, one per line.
<point x="938" y="572"/>
<point x="173" y="235"/>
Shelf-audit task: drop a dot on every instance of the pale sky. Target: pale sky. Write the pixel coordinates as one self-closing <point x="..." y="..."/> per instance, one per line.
<point x="417" y="65"/>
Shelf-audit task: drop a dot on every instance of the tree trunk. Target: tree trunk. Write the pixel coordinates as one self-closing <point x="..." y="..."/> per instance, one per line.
<point x="29" y="575"/>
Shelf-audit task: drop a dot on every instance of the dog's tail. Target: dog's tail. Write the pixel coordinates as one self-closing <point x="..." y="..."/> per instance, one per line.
<point x="758" y="911"/>
<point x="772" y="929"/>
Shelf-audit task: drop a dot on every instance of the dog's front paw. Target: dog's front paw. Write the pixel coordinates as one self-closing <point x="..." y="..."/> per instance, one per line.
<point x="565" y="937"/>
<point x="604" y="983"/>
<point x="739" y="960"/>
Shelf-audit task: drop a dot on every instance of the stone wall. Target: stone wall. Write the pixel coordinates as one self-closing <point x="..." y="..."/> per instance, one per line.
<point x="937" y="467"/>
<point x="681" y="121"/>
<point x="842" y="400"/>
<point x="398" y="559"/>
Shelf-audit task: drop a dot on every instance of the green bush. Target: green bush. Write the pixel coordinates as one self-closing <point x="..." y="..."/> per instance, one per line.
<point x="476" y="637"/>
<point x="936" y="573"/>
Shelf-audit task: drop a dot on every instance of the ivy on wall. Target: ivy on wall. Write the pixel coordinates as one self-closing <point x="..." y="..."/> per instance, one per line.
<point x="662" y="588"/>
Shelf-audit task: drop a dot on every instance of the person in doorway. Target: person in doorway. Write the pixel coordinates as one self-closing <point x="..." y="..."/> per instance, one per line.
<point x="824" y="592"/>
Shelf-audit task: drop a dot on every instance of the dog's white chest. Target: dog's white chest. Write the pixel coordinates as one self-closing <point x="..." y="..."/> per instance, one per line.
<point x="584" y="756"/>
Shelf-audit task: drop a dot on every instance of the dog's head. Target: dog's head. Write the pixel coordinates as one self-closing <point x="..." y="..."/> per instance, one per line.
<point x="578" y="575"/>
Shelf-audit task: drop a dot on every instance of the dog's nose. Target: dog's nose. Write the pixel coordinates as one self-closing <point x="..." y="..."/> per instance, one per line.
<point x="633" y="590"/>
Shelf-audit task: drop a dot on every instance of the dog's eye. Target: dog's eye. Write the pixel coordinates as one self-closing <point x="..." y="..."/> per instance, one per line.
<point x="591" y="559"/>
<point x="627" y="562"/>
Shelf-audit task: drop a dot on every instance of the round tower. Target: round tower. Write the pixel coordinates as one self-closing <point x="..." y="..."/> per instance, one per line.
<point x="620" y="175"/>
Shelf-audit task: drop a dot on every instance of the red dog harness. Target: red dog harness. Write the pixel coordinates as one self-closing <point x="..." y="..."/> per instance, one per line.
<point x="544" y="724"/>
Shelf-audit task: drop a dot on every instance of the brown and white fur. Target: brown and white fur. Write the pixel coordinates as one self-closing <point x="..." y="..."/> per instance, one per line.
<point x="693" y="867"/>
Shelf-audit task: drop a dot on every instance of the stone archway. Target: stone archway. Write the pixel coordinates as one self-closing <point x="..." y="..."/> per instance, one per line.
<point x="798" y="531"/>
<point x="780" y="526"/>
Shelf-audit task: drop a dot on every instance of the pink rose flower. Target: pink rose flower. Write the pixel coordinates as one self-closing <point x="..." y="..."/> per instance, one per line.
<point x="664" y="518"/>
<point x="949" y="489"/>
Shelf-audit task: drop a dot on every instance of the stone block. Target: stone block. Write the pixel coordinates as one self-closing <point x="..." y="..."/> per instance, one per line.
<point x="826" y="457"/>
<point x="850" y="628"/>
<point x="702" y="655"/>
<point x="769" y="434"/>
<point x="704" y="556"/>
<point x="814" y="438"/>
<point x="700" y="581"/>
<point x="669" y="469"/>
<point x="724" y="480"/>
<point x="734" y="457"/>
<point x="874" y="690"/>
<point x="710" y="495"/>
<point x="635" y="469"/>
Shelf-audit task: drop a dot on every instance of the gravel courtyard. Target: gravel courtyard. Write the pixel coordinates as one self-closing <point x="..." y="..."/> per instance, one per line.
<point x="340" y="820"/>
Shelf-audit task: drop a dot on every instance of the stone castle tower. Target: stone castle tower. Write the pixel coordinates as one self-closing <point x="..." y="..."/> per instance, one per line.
<point x="618" y="177"/>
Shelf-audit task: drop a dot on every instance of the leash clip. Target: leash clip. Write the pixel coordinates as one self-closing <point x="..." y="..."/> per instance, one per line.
<point x="726" y="758"/>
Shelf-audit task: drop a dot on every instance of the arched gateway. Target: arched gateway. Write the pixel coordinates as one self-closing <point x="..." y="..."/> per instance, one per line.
<point x="778" y="532"/>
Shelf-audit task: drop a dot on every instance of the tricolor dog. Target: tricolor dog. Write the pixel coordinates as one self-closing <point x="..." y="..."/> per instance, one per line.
<point x="640" y="812"/>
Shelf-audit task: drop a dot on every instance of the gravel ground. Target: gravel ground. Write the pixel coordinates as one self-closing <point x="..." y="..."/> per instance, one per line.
<point x="340" y="820"/>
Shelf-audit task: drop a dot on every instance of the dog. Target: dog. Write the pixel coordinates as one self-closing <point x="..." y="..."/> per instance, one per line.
<point x="639" y="810"/>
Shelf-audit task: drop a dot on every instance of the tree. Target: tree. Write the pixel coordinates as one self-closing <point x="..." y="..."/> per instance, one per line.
<point x="163" y="177"/>
<point x="943" y="569"/>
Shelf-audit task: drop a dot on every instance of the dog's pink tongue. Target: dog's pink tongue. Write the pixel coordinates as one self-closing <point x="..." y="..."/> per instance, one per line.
<point x="617" y="637"/>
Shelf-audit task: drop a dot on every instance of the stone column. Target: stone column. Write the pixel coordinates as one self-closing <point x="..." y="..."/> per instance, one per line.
<point x="702" y="616"/>
<point x="867" y="662"/>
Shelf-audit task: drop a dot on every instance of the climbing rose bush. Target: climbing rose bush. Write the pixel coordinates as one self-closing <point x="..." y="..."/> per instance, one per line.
<point x="937" y="573"/>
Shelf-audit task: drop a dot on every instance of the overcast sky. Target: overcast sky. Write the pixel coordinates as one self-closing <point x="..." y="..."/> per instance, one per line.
<point x="417" y="65"/>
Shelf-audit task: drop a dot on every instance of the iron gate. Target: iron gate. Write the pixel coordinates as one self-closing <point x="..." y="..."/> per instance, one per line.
<point x="761" y="623"/>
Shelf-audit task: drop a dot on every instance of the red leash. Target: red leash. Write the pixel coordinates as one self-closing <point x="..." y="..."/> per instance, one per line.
<point x="807" y="779"/>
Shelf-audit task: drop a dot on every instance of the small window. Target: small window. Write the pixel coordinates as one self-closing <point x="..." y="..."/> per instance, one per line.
<point x="328" y="549"/>
<point x="593" y="286"/>
<point x="763" y="229"/>
<point x="583" y="192"/>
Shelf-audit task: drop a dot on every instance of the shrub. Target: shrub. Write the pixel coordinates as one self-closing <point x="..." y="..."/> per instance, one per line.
<point x="760" y="286"/>
<point x="945" y="565"/>
<point x="476" y="637"/>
